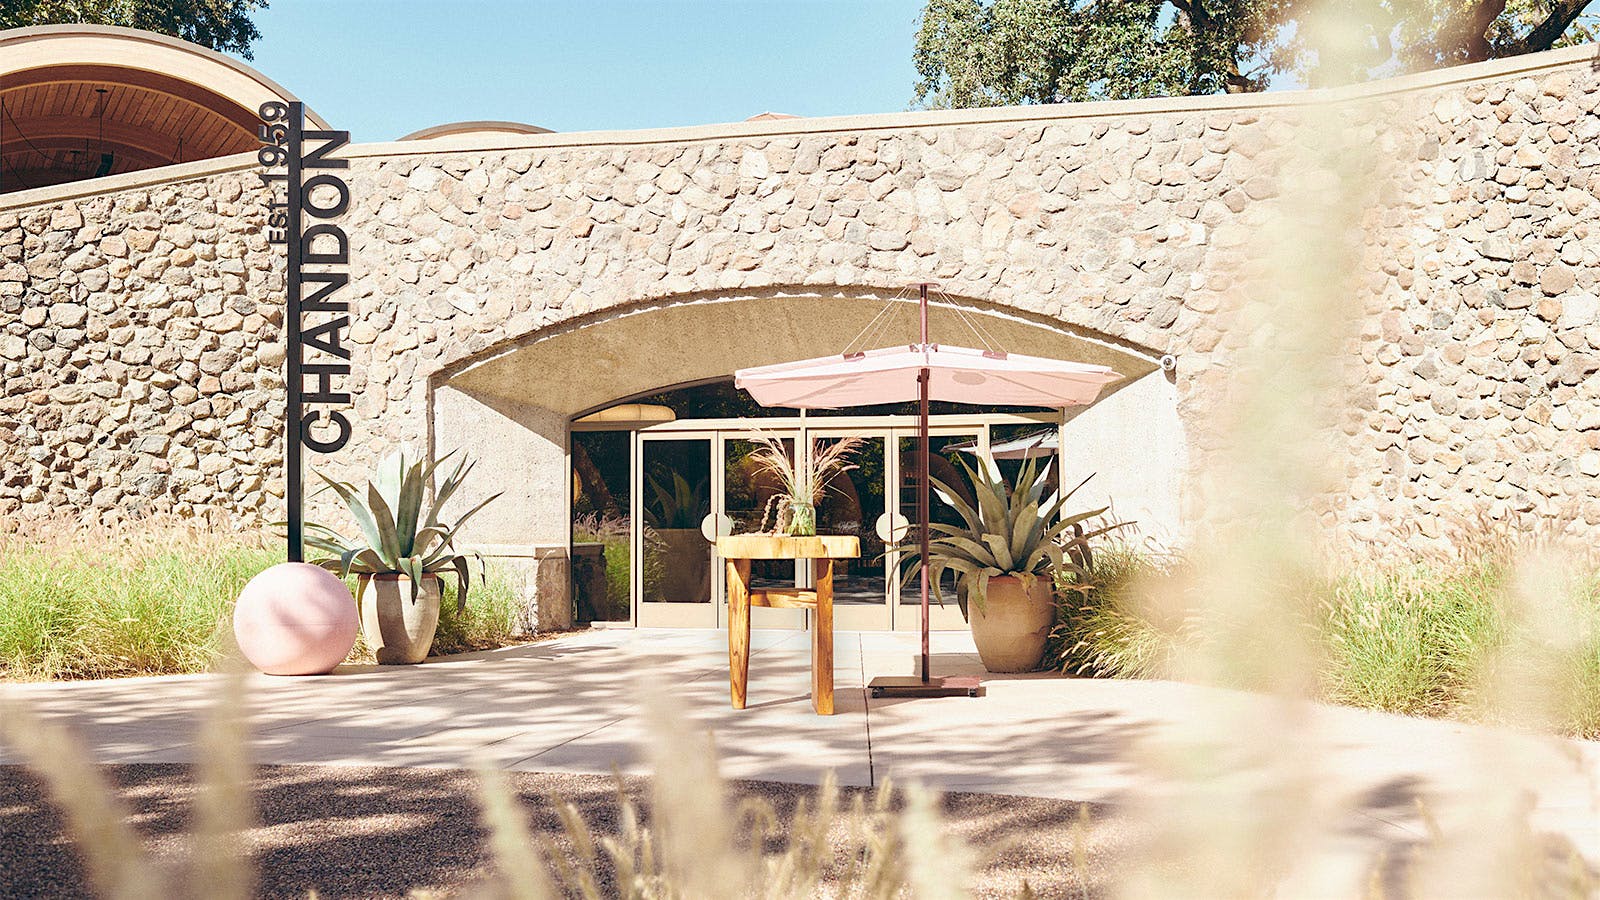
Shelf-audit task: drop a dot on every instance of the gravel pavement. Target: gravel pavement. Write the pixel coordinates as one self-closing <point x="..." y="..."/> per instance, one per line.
<point x="358" y="832"/>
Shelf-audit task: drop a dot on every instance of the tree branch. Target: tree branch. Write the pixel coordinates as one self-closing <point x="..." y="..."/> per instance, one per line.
<point x="1205" y="28"/>
<point x="1467" y="38"/>
<point x="1546" y="33"/>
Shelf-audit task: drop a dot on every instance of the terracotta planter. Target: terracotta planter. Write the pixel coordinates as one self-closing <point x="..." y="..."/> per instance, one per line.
<point x="1011" y="626"/>
<point x="398" y="629"/>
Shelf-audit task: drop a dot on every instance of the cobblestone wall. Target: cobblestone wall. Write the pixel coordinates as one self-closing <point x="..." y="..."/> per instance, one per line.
<point x="139" y="333"/>
<point x="1479" y="396"/>
<point x="139" y="352"/>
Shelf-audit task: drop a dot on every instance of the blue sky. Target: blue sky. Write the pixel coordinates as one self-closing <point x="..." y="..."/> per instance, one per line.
<point x="384" y="68"/>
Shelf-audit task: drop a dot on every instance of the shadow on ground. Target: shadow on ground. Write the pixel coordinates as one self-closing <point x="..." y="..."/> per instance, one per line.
<point x="349" y="832"/>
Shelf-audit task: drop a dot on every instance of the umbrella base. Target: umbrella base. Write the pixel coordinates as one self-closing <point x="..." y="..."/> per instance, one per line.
<point x="911" y="687"/>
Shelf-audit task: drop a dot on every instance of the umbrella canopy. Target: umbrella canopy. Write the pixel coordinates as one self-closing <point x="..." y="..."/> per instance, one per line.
<point x="956" y="374"/>
<point x="925" y="371"/>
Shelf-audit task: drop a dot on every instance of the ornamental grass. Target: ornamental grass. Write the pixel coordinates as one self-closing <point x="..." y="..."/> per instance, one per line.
<point x="156" y="598"/>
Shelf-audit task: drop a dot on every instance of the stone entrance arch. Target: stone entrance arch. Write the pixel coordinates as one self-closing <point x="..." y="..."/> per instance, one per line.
<point x="511" y="406"/>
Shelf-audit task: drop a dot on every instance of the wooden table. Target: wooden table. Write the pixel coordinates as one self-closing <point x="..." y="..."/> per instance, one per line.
<point x="822" y="550"/>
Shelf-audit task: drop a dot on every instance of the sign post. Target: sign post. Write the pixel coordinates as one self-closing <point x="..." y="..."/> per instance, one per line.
<point x="321" y="319"/>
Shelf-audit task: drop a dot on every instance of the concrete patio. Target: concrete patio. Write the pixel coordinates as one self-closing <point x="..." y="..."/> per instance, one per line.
<point x="574" y="705"/>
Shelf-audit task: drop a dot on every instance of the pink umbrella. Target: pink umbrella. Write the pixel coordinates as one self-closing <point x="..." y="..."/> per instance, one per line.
<point x="921" y="372"/>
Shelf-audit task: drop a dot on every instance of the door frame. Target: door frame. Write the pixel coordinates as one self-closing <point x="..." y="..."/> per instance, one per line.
<point x="661" y="614"/>
<point x="900" y="617"/>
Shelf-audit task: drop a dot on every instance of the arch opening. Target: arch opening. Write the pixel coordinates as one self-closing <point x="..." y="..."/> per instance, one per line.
<point x="561" y="406"/>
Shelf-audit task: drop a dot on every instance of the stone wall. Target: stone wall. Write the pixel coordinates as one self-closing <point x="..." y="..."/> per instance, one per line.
<point x="139" y="330"/>
<point x="1478" y="396"/>
<point x="139" y="355"/>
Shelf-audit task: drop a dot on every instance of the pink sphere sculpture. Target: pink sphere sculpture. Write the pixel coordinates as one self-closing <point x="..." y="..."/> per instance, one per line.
<point x="295" y="619"/>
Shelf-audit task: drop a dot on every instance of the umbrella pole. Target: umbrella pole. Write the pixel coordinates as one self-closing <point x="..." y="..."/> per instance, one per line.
<point x="924" y="514"/>
<point x="923" y="685"/>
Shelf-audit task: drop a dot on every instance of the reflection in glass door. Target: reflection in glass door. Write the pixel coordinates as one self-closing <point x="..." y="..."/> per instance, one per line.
<point x="602" y="526"/>
<point x="747" y="506"/>
<point x="946" y="449"/>
<point x="854" y="504"/>
<point x="675" y="558"/>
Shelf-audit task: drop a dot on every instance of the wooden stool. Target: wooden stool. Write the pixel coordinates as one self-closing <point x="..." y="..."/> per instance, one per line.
<point x="822" y="550"/>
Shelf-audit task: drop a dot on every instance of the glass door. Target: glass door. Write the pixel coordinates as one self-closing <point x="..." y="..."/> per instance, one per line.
<point x="675" y="559"/>
<point x="857" y="503"/>
<point x="746" y="502"/>
<point x="947" y="447"/>
<point x="602" y="526"/>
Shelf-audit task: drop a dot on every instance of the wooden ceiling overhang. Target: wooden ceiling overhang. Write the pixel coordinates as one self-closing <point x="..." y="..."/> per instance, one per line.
<point x="80" y="102"/>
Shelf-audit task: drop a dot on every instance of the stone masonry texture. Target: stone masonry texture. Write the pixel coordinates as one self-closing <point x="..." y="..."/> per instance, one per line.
<point x="140" y="345"/>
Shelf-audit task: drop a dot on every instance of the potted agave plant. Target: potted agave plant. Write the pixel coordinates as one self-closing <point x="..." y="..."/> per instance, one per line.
<point x="800" y="486"/>
<point x="1002" y="555"/>
<point x="402" y="551"/>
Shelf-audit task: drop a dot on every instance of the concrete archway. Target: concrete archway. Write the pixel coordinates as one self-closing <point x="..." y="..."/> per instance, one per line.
<point x="511" y="406"/>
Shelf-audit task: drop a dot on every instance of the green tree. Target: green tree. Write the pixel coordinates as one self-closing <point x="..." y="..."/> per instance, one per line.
<point x="219" y="24"/>
<point x="1002" y="52"/>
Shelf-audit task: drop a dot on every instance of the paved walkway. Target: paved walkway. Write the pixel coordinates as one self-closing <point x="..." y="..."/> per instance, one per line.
<point x="574" y="705"/>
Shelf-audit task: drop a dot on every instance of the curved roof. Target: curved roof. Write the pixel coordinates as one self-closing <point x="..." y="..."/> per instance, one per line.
<point x="485" y="127"/>
<point x="80" y="101"/>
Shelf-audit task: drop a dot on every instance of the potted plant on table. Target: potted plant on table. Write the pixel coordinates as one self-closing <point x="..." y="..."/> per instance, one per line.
<point x="1003" y="554"/>
<point x="402" y="551"/>
<point x="801" y="486"/>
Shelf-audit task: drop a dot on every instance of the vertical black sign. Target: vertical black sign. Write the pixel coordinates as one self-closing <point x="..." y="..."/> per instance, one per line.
<point x="318" y="257"/>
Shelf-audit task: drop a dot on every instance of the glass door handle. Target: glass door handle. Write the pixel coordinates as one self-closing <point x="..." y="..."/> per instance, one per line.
<point x="715" y="525"/>
<point x="891" y="527"/>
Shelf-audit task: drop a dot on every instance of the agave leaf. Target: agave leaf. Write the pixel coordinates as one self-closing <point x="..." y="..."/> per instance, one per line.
<point x="1099" y="531"/>
<point x="953" y="499"/>
<point x="408" y="508"/>
<point x="348" y="558"/>
<point x="389" y="474"/>
<point x="1068" y="494"/>
<point x="462" y="519"/>
<point x="426" y="536"/>
<point x="451" y="482"/>
<point x="358" y="510"/>
<point x="991" y="503"/>
<point x="1046" y="551"/>
<point x="1085" y="516"/>
<point x="1026" y="528"/>
<point x="411" y="567"/>
<point x="463" y="582"/>
<point x="990" y="467"/>
<point x="430" y="467"/>
<point x="964" y="546"/>
<point x="1003" y="559"/>
<point x="314" y="532"/>
<point x="1040" y="482"/>
<point x="439" y="557"/>
<point x="388" y="544"/>
<point x="325" y="546"/>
